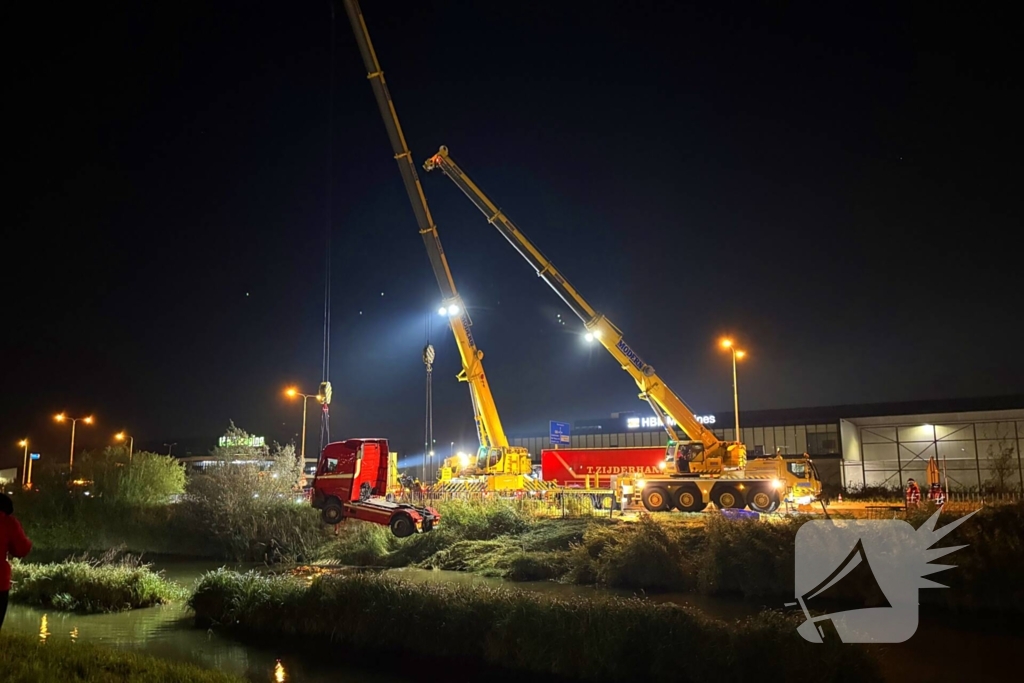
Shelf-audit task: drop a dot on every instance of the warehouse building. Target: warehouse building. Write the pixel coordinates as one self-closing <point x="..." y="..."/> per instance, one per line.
<point x="978" y="442"/>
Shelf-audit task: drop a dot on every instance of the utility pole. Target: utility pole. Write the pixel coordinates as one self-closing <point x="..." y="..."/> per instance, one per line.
<point x="428" y="429"/>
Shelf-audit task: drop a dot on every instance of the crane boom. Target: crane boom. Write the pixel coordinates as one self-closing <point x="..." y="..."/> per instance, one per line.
<point x="713" y="454"/>
<point x="489" y="429"/>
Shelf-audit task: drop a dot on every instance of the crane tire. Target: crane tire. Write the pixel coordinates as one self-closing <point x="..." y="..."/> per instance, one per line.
<point x="727" y="497"/>
<point x="655" y="499"/>
<point x="763" y="500"/>
<point x="688" y="498"/>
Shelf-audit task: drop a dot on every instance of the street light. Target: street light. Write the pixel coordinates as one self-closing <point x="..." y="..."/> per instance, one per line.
<point x="736" y="355"/>
<point x="24" y="467"/>
<point x="292" y="392"/>
<point x="121" y="436"/>
<point x="170" y="447"/>
<point x="61" y="417"/>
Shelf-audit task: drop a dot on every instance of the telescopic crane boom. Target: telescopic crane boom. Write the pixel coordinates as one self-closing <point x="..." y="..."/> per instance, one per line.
<point x="705" y="453"/>
<point x="495" y="457"/>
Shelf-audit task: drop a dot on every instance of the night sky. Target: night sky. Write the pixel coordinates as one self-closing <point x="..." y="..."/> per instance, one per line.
<point x="837" y="186"/>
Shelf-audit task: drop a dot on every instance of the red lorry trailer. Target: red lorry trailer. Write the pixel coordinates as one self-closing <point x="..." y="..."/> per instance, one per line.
<point x="592" y="469"/>
<point x="351" y="482"/>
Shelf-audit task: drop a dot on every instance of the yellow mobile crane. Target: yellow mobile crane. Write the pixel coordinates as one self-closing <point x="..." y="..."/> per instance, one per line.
<point x="699" y="470"/>
<point x="502" y="465"/>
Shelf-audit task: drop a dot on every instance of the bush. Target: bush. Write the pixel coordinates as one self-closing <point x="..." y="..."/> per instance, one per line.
<point x="603" y="639"/>
<point x="26" y="660"/>
<point x="82" y="586"/>
<point x="242" y="506"/>
<point x="144" y="479"/>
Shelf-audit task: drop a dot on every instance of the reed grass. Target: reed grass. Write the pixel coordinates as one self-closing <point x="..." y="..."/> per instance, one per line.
<point x="79" y="585"/>
<point x="24" y="659"/>
<point x="591" y="639"/>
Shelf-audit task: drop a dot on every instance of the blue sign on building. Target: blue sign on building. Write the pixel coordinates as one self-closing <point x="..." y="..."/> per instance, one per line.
<point x="560" y="434"/>
<point x="35" y="456"/>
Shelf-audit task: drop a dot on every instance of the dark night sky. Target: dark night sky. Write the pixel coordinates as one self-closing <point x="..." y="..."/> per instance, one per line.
<point x="836" y="185"/>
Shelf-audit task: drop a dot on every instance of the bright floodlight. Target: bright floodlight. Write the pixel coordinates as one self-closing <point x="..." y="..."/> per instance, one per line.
<point x="589" y="336"/>
<point x="453" y="310"/>
<point x="726" y="343"/>
<point x="442" y="311"/>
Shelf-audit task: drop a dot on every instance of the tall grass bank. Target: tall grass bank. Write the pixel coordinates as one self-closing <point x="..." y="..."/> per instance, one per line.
<point x="27" y="660"/>
<point x="607" y="639"/>
<point x="80" y="586"/>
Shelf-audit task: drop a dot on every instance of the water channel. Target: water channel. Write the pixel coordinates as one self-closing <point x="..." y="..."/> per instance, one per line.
<point x="946" y="647"/>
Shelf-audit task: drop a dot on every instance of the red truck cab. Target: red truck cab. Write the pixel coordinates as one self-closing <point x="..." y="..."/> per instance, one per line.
<point x="352" y="481"/>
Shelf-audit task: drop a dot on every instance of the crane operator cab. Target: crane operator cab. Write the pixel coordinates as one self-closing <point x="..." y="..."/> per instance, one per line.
<point x="679" y="455"/>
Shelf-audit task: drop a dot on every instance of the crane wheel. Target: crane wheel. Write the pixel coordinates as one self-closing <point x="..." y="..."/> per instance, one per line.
<point x="402" y="526"/>
<point x="655" y="499"/>
<point x="762" y="500"/>
<point x="332" y="513"/>
<point x="728" y="497"/>
<point x="688" y="498"/>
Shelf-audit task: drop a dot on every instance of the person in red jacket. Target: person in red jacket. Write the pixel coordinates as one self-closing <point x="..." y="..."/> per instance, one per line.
<point x="13" y="541"/>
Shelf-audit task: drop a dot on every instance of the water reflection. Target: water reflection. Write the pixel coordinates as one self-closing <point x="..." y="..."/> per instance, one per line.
<point x="44" y="630"/>
<point x="279" y="672"/>
<point x="74" y="635"/>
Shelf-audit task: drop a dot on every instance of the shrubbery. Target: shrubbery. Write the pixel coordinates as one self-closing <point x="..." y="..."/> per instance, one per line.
<point x="230" y="512"/>
<point x="592" y="639"/>
<point x="84" y="586"/>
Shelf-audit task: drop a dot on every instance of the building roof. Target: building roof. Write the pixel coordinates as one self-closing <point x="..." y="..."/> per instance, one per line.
<point x="783" y="416"/>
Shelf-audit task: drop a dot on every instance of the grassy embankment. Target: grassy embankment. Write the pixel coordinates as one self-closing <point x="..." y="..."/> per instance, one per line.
<point x="24" y="659"/>
<point x="705" y="554"/>
<point x="59" y="526"/>
<point x="84" y="586"/>
<point x="592" y="639"/>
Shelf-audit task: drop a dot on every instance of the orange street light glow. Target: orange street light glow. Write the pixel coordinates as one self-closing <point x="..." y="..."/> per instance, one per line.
<point x="740" y="354"/>
<point x="88" y="420"/>
<point x="59" y="417"/>
<point x="119" y="436"/>
<point x="23" y="443"/>
<point x="726" y="343"/>
<point x="291" y="392"/>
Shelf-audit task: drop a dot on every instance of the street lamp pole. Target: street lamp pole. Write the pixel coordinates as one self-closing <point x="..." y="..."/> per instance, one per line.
<point x="305" y="404"/>
<point x="121" y="436"/>
<point x="74" y="421"/>
<point x="736" y="354"/>
<point x="24" y="465"/>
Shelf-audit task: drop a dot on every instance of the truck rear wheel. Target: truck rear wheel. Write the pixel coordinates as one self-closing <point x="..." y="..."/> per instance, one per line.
<point x="402" y="526"/>
<point x="763" y="500"/>
<point x="688" y="498"/>
<point x="331" y="512"/>
<point x="655" y="499"/>
<point x="727" y="497"/>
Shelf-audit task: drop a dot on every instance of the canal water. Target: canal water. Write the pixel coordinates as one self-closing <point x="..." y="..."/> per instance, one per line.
<point x="946" y="647"/>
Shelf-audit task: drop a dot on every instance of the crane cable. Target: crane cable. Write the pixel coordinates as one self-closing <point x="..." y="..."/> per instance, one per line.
<point x="325" y="425"/>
